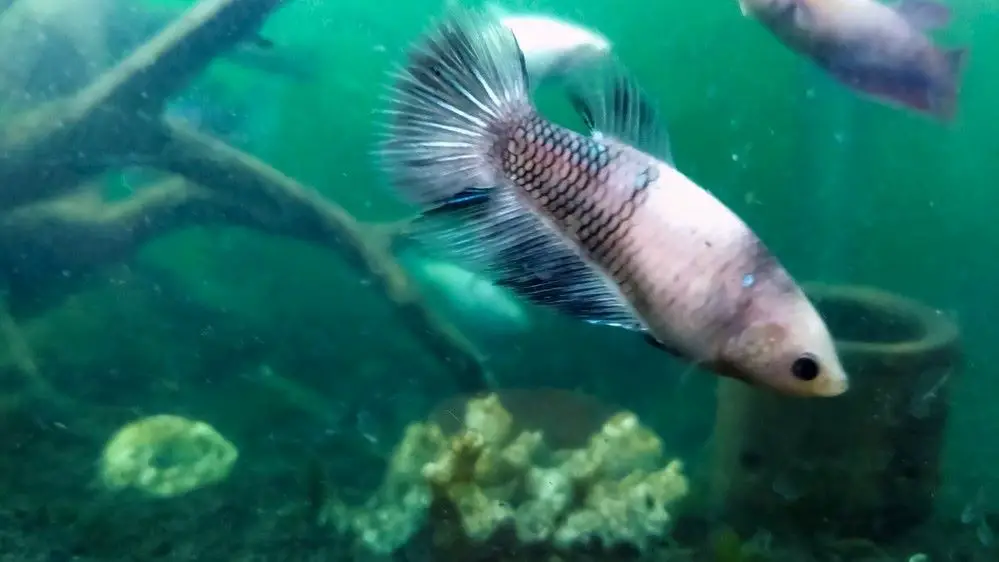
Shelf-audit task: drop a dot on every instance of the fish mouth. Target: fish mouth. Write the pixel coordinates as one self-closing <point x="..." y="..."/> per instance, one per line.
<point x="832" y="386"/>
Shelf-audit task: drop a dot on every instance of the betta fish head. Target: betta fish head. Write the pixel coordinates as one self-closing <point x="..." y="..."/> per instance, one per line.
<point x="781" y="342"/>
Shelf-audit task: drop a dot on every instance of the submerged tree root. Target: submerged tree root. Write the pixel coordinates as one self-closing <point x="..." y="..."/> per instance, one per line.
<point x="54" y="220"/>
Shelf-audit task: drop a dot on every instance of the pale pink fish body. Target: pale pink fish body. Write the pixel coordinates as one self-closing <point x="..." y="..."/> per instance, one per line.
<point x="599" y="226"/>
<point x="878" y="49"/>
<point x="704" y="283"/>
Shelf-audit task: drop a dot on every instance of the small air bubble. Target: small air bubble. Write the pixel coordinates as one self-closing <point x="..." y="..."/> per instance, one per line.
<point x="735" y="157"/>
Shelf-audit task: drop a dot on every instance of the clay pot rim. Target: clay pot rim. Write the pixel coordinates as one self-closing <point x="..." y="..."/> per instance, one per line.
<point x="936" y="329"/>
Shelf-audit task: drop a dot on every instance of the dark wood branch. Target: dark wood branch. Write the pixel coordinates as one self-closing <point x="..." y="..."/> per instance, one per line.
<point x="60" y="144"/>
<point x="50" y="225"/>
<point x="290" y="209"/>
<point x="79" y="233"/>
<point x="165" y="65"/>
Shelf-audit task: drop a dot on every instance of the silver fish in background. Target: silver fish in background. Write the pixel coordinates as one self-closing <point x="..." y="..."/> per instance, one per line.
<point x="474" y="302"/>
<point x="594" y="226"/>
<point x="881" y="50"/>
<point x="551" y="45"/>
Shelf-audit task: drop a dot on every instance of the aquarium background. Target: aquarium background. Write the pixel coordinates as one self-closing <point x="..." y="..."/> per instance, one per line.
<point x="843" y="191"/>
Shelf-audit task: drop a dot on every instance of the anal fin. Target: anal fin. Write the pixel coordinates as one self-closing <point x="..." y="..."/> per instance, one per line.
<point x="492" y="232"/>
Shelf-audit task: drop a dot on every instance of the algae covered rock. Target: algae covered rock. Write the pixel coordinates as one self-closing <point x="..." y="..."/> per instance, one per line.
<point x="489" y="477"/>
<point x="631" y="511"/>
<point x="166" y="456"/>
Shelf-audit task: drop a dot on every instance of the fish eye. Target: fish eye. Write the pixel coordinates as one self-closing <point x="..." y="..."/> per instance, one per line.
<point x="805" y="367"/>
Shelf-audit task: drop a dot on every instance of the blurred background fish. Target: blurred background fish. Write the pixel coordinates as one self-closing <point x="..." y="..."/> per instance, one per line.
<point x="551" y="44"/>
<point x="881" y="50"/>
<point x="470" y="300"/>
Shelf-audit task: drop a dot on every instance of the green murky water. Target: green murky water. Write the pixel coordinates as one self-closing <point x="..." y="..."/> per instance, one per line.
<point x="265" y="297"/>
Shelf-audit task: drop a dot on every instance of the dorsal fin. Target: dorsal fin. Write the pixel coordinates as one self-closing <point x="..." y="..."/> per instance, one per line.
<point x="611" y="103"/>
<point x="926" y="15"/>
<point x="490" y="231"/>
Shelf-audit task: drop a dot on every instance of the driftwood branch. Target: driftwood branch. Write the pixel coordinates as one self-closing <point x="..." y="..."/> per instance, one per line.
<point x="287" y="208"/>
<point x="54" y="147"/>
<point x="52" y="220"/>
<point x="33" y="385"/>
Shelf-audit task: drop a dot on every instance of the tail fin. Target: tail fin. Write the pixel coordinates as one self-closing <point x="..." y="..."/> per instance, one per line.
<point x="463" y="88"/>
<point x="956" y="61"/>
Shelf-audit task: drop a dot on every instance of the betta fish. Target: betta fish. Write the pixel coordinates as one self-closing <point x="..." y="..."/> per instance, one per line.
<point x="881" y="50"/>
<point x="599" y="226"/>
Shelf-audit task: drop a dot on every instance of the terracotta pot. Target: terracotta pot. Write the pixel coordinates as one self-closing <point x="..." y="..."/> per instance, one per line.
<point x="866" y="463"/>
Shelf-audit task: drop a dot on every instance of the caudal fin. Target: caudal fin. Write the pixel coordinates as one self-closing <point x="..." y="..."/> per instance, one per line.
<point x="456" y="99"/>
<point x="946" y="106"/>
<point x="956" y="61"/>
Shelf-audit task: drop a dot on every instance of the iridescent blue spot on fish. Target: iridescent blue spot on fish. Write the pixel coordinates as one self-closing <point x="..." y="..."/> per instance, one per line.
<point x="646" y="177"/>
<point x="600" y="154"/>
<point x="748" y="280"/>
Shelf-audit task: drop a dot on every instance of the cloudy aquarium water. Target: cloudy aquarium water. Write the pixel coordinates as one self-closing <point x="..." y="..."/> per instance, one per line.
<point x="522" y="280"/>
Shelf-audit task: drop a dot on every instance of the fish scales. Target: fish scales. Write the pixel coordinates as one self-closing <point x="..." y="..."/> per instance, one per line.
<point x="582" y="185"/>
<point x="593" y="191"/>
